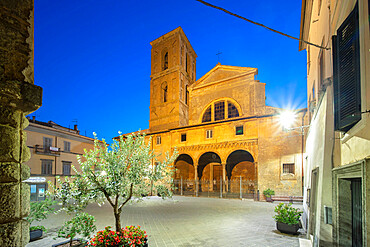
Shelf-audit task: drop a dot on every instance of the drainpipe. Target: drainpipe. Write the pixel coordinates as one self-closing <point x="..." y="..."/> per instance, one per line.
<point x="302" y="150"/>
<point x="55" y="160"/>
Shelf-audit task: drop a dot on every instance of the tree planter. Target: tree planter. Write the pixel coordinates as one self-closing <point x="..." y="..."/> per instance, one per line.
<point x="269" y="199"/>
<point x="286" y="228"/>
<point x="35" y="234"/>
<point x="75" y="243"/>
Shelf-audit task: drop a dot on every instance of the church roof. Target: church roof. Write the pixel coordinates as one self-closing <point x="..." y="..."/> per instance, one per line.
<point x="221" y="73"/>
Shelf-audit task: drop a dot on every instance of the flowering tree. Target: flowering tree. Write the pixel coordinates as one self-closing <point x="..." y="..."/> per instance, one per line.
<point x="117" y="174"/>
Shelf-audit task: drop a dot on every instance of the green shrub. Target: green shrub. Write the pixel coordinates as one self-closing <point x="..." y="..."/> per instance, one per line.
<point x="285" y="213"/>
<point x="268" y="193"/>
<point x="32" y="228"/>
<point x="82" y="224"/>
<point x="39" y="211"/>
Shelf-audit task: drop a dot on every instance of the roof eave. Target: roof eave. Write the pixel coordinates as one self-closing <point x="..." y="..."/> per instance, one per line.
<point x="306" y="12"/>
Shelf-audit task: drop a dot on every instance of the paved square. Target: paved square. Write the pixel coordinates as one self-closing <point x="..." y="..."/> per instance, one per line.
<point x="190" y="221"/>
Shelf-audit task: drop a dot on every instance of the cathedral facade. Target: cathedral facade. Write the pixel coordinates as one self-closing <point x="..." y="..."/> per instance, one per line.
<point x="219" y="124"/>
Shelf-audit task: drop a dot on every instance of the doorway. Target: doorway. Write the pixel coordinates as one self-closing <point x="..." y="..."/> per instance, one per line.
<point x="38" y="192"/>
<point x="217" y="174"/>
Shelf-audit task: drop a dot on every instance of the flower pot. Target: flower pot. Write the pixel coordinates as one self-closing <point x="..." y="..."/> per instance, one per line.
<point x="75" y="243"/>
<point x="35" y="234"/>
<point x="286" y="228"/>
<point x="269" y="199"/>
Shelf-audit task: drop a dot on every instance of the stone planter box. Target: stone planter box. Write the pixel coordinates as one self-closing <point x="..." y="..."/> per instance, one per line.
<point x="35" y="234"/>
<point x="269" y="199"/>
<point x="82" y="243"/>
<point x="286" y="228"/>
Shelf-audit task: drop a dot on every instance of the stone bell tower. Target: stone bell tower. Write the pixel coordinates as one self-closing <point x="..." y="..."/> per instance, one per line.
<point x="172" y="72"/>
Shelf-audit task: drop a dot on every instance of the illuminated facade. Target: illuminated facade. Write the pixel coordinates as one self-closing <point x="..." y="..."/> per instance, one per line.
<point x="219" y="123"/>
<point x="54" y="150"/>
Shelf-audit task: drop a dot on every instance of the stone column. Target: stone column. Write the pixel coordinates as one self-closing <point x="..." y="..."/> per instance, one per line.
<point x="224" y="184"/>
<point x="18" y="97"/>
<point x="196" y="179"/>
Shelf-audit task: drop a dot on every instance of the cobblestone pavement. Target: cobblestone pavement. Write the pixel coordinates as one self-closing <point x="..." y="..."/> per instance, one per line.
<point x="189" y="221"/>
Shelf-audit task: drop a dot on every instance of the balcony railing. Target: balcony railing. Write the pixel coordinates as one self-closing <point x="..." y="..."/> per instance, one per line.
<point x="47" y="150"/>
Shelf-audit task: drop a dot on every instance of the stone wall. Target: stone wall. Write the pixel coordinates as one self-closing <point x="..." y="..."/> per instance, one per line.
<point x="18" y="97"/>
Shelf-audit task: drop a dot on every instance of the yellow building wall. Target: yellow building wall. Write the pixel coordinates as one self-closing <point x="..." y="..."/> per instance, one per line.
<point x="35" y="137"/>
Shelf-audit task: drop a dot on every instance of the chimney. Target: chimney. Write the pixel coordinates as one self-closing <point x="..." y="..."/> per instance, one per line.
<point x="76" y="129"/>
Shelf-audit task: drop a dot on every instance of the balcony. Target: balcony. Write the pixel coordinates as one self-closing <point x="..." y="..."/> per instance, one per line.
<point x="47" y="150"/>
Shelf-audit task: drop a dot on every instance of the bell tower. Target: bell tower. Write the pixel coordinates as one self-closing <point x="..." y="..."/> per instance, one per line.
<point x="172" y="72"/>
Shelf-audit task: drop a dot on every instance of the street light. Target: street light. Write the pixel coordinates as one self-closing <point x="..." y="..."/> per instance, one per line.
<point x="287" y="118"/>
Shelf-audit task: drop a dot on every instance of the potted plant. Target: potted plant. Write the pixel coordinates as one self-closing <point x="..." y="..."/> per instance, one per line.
<point x="39" y="211"/>
<point x="268" y="193"/>
<point x="287" y="218"/>
<point x="82" y="224"/>
<point x="128" y="236"/>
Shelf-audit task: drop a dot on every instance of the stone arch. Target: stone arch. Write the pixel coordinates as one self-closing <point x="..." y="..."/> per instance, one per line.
<point x="235" y="158"/>
<point x="206" y="165"/>
<point x="240" y="165"/>
<point x="205" y="159"/>
<point x="184" y="167"/>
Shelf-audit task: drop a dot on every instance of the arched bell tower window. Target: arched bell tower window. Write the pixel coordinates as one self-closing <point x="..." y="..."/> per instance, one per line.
<point x="186" y="95"/>
<point x="164" y="91"/>
<point x="165" y="61"/>
<point x="220" y="110"/>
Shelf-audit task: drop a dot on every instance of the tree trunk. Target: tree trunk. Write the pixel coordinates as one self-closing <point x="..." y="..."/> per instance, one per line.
<point x="117" y="216"/>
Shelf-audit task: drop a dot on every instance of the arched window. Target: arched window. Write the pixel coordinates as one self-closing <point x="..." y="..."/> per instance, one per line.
<point x="223" y="109"/>
<point x="164" y="91"/>
<point x="207" y="115"/>
<point x="165" y="61"/>
<point x="219" y="110"/>
<point x="231" y="110"/>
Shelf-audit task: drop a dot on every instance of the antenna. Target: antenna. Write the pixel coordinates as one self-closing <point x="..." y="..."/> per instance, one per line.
<point x="218" y="56"/>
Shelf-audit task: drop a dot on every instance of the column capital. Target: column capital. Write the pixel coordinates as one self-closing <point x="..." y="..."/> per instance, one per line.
<point x="22" y="96"/>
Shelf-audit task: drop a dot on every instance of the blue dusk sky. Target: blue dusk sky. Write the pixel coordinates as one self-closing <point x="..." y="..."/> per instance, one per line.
<point x="92" y="58"/>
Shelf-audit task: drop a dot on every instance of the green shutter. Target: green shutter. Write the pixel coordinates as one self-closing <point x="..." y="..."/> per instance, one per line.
<point x="346" y="73"/>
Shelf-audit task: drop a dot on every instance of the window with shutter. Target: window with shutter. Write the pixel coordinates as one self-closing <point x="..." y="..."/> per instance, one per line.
<point x="46" y="167"/>
<point x="66" y="168"/>
<point x="346" y="73"/>
<point x="47" y="144"/>
<point x="67" y="146"/>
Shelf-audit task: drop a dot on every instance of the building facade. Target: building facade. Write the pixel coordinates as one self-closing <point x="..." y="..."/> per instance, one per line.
<point x="54" y="149"/>
<point x="219" y="124"/>
<point x="336" y="188"/>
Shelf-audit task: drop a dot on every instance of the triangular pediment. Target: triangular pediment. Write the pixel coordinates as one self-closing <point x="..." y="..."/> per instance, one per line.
<point x="222" y="73"/>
